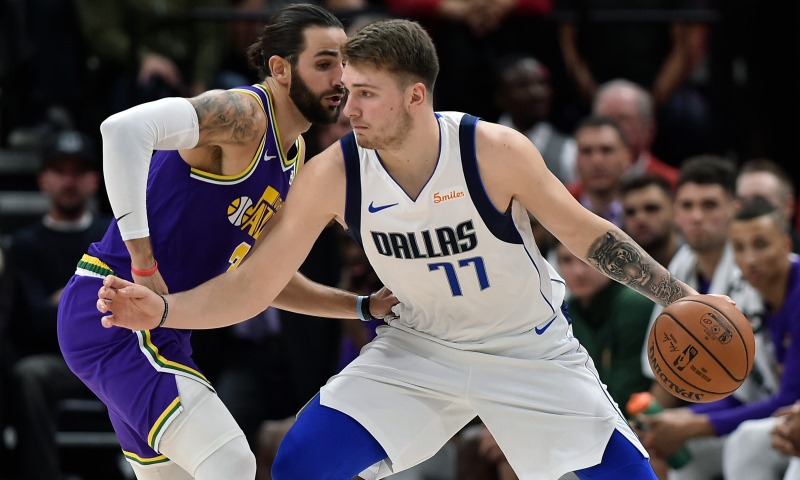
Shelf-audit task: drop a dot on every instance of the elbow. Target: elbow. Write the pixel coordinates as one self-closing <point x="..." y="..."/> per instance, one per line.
<point x="112" y="125"/>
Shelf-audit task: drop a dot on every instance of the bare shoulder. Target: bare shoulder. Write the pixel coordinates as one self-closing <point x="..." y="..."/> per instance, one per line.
<point x="228" y="117"/>
<point x="493" y="135"/>
<point x="507" y="160"/>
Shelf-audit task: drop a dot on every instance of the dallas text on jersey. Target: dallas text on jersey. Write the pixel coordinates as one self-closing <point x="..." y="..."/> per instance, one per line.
<point x="439" y="242"/>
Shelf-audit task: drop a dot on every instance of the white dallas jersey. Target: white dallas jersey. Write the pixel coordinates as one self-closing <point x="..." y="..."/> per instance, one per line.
<point x="464" y="271"/>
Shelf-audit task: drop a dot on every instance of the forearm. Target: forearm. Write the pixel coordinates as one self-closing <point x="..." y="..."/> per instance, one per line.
<point x="617" y="256"/>
<point x="141" y="252"/>
<point x="227" y="299"/>
<point x="301" y="295"/>
<point x="673" y="74"/>
<point x="676" y="66"/>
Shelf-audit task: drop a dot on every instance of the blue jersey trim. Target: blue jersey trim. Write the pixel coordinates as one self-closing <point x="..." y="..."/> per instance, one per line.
<point x="352" y="168"/>
<point x="500" y="224"/>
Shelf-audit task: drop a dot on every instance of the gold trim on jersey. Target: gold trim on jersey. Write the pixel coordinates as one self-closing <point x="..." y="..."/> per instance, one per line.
<point x="286" y="163"/>
<point x="145" y="461"/>
<point x="162" y="364"/>
<point x="167" y="416"/>
<point x="93" y="266"/>
<point x="233" y="179"/>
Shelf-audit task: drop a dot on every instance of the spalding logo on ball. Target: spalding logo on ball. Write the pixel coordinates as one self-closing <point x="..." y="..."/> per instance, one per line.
<point x="701" y="348"/>
<point x="237" y="209"/>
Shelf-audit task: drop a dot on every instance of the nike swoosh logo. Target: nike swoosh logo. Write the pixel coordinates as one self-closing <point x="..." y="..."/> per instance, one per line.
<point x="540" y="331"/>
<point x="123" y="216"/>
<point x="267" y="158"/>
<point x="372" y="208"/>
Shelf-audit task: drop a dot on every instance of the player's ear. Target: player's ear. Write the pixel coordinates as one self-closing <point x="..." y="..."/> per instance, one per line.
<point x="417" y="94"/>
<point x="280" y="68"/>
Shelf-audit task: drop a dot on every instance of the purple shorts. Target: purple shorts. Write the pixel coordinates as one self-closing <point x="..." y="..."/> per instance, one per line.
<point x="132" y="372"/>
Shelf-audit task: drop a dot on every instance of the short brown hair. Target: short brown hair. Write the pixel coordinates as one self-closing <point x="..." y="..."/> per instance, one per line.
<point x="402" y="47"/>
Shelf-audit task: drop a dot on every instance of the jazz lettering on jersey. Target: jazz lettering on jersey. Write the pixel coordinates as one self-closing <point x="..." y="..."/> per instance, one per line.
<point x="251" y="216"/>
<point x="439" y="242"/>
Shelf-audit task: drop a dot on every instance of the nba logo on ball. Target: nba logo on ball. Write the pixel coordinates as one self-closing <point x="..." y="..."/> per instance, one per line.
<point x="701" y="348"/>
<point x="237" y="210"/>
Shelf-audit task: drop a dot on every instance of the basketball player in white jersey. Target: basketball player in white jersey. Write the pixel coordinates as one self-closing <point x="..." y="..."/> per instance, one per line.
<point x="438" y="201"/>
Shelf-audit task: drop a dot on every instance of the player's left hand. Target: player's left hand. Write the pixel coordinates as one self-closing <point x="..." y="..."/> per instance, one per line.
<point x="381" y="303"/>
<point x="132" y="306"/>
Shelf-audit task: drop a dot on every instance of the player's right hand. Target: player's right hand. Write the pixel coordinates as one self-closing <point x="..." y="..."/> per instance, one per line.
<point x="132" y="306"/>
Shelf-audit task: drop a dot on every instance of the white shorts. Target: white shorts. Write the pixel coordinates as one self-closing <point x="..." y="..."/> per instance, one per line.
<point x="539" y="395"/>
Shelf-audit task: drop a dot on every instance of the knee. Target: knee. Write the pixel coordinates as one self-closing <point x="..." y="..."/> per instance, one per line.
<point x="232" y="460"/>
<point x="242" y="460"/>
<point x="743" y="442"/>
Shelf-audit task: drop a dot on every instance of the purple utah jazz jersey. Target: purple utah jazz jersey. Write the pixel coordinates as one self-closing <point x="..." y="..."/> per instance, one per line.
<point x="203" y="224"/>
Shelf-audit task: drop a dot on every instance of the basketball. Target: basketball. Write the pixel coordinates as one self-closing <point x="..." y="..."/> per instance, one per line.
<point x="701" y="348"/>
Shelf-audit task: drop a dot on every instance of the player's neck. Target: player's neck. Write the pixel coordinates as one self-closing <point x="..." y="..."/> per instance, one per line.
<point x="420" y="146"/>
<point x="413" y="161"/>
<point x="775" y="293"/>
<point x="291" y="123"/>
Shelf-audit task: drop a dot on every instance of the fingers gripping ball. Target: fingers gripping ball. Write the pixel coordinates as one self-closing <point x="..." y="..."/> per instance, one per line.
<point x="701" y="348"/>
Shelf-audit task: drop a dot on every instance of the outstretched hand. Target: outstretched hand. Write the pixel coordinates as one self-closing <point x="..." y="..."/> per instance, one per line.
<point x="132" y="306"/>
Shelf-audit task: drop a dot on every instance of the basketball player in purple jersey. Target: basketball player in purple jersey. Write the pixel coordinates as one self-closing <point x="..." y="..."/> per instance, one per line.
<point x="185" y="216"/>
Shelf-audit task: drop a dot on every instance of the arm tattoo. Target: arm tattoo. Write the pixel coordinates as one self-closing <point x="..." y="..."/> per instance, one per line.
<point x="624" y="261"/>
<point x="227" y="117"/>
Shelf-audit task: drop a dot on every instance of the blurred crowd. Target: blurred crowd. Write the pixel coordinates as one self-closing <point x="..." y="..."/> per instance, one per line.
<point x="671" y="119"/>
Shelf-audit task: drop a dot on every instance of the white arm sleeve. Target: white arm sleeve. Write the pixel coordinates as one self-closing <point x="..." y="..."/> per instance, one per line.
<point x="129" y="138"/>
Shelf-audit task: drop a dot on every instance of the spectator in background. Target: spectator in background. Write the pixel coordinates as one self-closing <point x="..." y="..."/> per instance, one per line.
<point x="704" y="208"/>
<point x="470" y="34"/>
<point x="603" y="157"/>
<point x="633" y="108"/>
<point x="41" y="261"/>
<point x="524" y="95"/>
<point x="601" y="41"/>
<point x="649" y="215"/>
<point x="761" y="244"/>
<point x="152" y="50"/>
<point x="765" y="178"/>
<point x="761" y="248"/>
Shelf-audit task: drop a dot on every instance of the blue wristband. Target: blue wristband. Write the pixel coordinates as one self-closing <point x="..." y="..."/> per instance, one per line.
<point x="362" y="308"/>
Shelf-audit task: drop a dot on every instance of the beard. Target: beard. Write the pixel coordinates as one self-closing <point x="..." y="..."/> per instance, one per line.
<point x="655" y="243"/>
<point x="69" y="206"/>
<point x="392" y="140"/>
<point x="310" y="104"/>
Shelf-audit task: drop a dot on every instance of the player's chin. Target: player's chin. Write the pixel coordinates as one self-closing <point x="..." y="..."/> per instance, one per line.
<point x="332" y="114"/>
